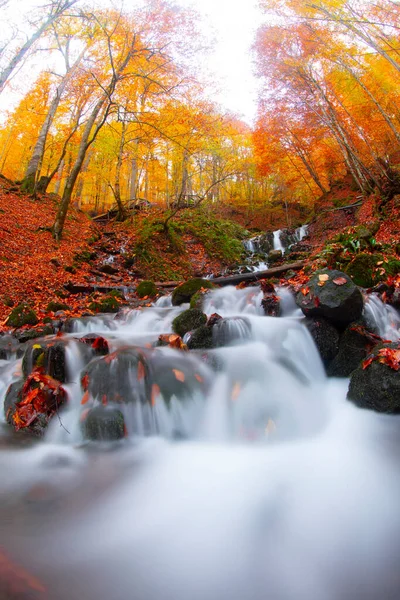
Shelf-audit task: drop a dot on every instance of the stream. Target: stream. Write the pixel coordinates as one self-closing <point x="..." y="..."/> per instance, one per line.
<point x="258" y="480"/>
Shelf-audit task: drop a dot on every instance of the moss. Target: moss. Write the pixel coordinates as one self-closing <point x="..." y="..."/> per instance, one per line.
<point x="184" y="292"/>
<point x="146" y="288"/>
<point x="362" y="269"/>
<point x="116" y="294"/>
<point x="70" y="268"/>
<point x="201" y="338"/>
<point x="22" y="315"/>
<point x="107" y="304"/>
<point x="197" y="300"/>
<point x="85" y="256"/>
<point x="188" y="320"/>
<point x="54" y="306"/>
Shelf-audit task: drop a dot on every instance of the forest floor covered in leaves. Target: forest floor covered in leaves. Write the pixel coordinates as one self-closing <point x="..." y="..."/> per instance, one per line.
<point x="36" y="269"/>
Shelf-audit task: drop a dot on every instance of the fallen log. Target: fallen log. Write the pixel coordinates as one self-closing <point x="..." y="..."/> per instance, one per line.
<point x="235" y="279"/>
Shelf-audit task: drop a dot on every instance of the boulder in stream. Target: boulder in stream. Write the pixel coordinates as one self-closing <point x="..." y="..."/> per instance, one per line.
<point x="375" y="384"/>
<point x="22" y="315"/>
<point x="333" y="295"/>
<point x="325" y="336"/>
<point x="188" y="320"/>
<point x="184" y="292"/>
<point x="104" y="423"/>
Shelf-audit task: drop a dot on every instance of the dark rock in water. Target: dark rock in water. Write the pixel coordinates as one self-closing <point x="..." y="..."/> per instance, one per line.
<point x="200" y="338"/>
<point x="48" y="354"/>
<point x="22" y="315"/>
<point x="377" y="386"/>
<point x="31" y="334"/>
<point x="13" y="395"/>
<point x="184" y="292"/>
<point x="354" y="346"/>
<point x="139" y="375"/>
<point x="104" y="423"/>
<point x="265" y="242"/>
<point x="325" y="336"/>
<point x="97" y="343"/>
<point x="331" y="294"/>
<point x="274" y="256"/>
<point x="288" y="237"/>
<point x="231" y="330"/>
<point x="8" y="346"/>
<point x="271" y="304"/>
<point x="188" y="320"/>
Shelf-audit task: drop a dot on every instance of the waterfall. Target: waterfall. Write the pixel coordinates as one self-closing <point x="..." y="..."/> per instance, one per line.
<point x="383" y="318"/>
<point x="253" y="478"/>
<point x="277" y="241"/>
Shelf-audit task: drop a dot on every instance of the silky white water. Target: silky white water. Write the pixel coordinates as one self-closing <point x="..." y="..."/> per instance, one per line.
<point x="282" y="489"/>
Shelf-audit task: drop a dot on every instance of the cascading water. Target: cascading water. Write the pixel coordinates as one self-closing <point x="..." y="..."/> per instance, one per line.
<point x="277" y="241"/>
<point x="282" y="490"/>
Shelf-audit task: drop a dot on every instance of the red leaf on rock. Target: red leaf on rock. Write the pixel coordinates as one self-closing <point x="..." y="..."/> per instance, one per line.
<point x="339" y="281"/>
<point x="368" y="361"/>
<point x="85" y="398"/>
<point x="305" y="291"/>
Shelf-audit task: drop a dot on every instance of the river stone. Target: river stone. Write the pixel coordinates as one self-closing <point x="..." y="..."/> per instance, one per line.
<point x="104" y="423"/>
<point x="231" y="330"/>
<point x="13" y="395"/>
<point x="377" y="387"/>
<point x="184" y="292"/>
<point x="8" y="346"/>
<point x="271" y="304"/>
<point x="48" y="354"/>
<point x="200" y="338"/>
<point x="341" y="303"/>
<point x="325" y="336"/>
<point x="188" y="320"/>
<point x="265" y="242"/>
<point x="137" y="375"/>
<point x="354" y="347"/>
<point x="274" y="256"/>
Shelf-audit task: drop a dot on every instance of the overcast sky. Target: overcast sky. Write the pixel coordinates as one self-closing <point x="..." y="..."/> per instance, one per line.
<point x="232" y="24"/>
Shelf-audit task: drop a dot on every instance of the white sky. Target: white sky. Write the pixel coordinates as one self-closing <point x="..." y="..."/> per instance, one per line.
<point x="232" y="26"/>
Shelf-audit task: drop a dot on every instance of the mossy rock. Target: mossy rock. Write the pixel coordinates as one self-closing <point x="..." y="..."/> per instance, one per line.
<point x="26" y="335"/>
<point x="22" y="315"/>
<point x="107" y="304"/>
<point x="197" y="300"/>
<point x="184" y="292"/>
<point x="201" y="338"/>
<point x="364" y="271"/>
<point x="146" y="288"/>
<point x="56" y="305"/>
<point x="85" y="256"/>
<point x="188" y="320"/>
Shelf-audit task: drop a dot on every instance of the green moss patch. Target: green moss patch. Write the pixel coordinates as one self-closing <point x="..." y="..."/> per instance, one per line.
<point x="22" y="315"/>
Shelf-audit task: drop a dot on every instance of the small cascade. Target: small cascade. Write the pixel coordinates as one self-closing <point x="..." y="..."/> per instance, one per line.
<point x="383" y="318"/>
<point x="277" y="241"/>
<point x="301" y="232"/>
<point x="240" y="461"/>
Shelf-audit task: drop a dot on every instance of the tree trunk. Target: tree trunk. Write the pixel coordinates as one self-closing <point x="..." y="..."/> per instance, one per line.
<point x="32" y="171"/>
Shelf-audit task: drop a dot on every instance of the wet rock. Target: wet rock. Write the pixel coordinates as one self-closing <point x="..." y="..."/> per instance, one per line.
<point x="26" y="335"/>
<point x="354" y="345"/>
<point x="188" y="320"/>
<point x="198" y="299"/>
<point x="325" y="336"/>
<point x="137" y="375"/>
<point x="331" y="294"/>
<point x="104" y="423"/>
<point x="184" y="292"/>
<point x="265" y="242"/>
<point x="12" y="397"/>
<point x="22" y="315"/>
<point x="8" y="347"/>
<point x="97" y="343"/>
<point x="50" y="356"/>
<point x="201" y="338"/>
<point x="271" y="304"/>
<point x="274" y="256"/>
<point x="146" y="288"/>
<point x="287" y="237"/>
<point x="376" y="387"/>
<point x="231" y="330"/>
